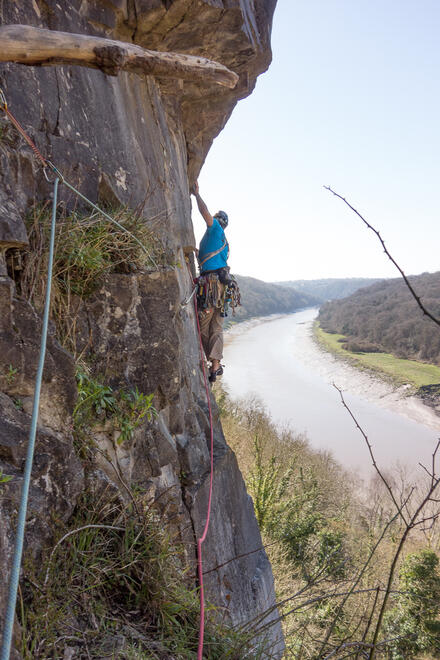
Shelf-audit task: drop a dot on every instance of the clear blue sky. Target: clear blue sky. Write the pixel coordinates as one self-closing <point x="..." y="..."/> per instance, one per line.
<point x="351" y="100"/>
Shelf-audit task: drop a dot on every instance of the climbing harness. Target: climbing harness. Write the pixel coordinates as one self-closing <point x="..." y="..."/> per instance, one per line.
<point x="215" y="291"/>
<point x="21" y="523"/>
<point x="209" y="291"/>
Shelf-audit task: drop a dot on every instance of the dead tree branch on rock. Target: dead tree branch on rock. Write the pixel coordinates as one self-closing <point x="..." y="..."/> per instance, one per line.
<point x="405" y="278"/>
<point x="29" y="45"/>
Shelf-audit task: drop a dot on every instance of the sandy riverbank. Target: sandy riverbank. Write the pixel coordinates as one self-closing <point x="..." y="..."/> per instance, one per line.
<point x="334" y="369"/>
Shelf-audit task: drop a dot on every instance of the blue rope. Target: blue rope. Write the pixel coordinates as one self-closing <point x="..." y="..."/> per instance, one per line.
<point x="18" y="550"/>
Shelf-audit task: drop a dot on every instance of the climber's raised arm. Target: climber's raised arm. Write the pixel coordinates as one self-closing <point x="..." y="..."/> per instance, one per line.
<point x="202" y="206"/>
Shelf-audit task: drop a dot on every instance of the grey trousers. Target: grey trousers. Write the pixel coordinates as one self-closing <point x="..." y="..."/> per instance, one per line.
<point x="211" y="330"/>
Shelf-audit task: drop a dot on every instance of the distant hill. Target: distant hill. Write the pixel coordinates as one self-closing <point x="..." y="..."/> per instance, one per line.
<point x="330" y="288"/>
<point x="386" y="317"/>
<point x="263" y="298"/>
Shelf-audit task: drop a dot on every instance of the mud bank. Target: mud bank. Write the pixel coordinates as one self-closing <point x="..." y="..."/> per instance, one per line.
<point x="277" y="359"/>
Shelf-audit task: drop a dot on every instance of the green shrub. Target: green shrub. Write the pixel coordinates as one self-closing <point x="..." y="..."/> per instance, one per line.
<point x="4" y="478"/>
<point x="332" y="543"/>
<point x="414" y="620"/>
<point x="126" y="408"/>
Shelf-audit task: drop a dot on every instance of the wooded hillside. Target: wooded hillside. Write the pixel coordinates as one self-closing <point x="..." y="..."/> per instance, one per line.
<point x="385" y="317"/>
<point x="264" y="298"/>
<point x="329" y="288"/>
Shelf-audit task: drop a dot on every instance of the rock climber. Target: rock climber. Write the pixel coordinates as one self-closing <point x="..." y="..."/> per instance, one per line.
<point x="212" y="256"/>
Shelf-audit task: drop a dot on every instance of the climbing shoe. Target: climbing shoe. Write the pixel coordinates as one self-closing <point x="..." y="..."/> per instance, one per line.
<point x="217" y="372"/>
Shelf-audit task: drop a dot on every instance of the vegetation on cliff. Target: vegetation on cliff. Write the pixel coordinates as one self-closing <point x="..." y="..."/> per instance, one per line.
<point x="386" y="318"/>
<point x="356" y="565"/>
<point x="116" y="584"/>
<point x="87" y="248"/>
<point x="121" y="136"/>
<point x="116" y="580"/>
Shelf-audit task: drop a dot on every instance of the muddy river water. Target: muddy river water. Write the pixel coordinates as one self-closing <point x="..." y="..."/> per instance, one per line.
<point x="277" y="360"/>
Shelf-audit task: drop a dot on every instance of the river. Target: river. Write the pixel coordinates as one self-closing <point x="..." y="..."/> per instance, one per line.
<point x="277" y="360"/>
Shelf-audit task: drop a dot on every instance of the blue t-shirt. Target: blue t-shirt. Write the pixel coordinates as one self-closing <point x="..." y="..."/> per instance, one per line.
<point x="212" y="240"/>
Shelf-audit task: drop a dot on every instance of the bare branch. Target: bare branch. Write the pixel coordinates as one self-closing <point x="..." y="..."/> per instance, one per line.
<point x="373" y="459"/>
<point x="412" y="522"/>
<point x="311" y="601"/>
<point x="356" y="582"/>
<point x="370" y="620"/>
<point x="237" y="557"/>
<point x="360" y="645"/>
<point x="405" y="278"/>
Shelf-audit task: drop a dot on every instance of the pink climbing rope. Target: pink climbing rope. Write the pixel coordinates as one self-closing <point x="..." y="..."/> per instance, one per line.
<point x="208" y="514"/>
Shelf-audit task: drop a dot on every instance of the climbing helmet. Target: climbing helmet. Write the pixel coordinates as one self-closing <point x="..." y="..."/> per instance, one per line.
<point x="222" y="217"/>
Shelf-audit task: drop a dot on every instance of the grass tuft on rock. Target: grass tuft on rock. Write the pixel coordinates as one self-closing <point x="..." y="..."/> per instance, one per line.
<point x="115" y="585"/>
<point x="87" y="248"/>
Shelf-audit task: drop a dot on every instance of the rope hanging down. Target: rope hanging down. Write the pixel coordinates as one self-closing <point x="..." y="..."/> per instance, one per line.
<point x="18" y="550"/>
<point x="201" y="540"/>
<point x="21" y="523"/>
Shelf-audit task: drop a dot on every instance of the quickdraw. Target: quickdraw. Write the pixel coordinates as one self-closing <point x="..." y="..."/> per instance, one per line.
<point x="211" y="292"/>
<point x="231" y="298"/>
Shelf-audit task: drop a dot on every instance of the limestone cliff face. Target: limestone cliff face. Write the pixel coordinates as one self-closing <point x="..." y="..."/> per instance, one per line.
<point x="141" y="142"/>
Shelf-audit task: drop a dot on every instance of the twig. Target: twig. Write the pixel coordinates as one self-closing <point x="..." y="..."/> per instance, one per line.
<point x="119" y="476"/>
<point x="356" y="582"/>
<point x="246" y="554"/>
<point x="370" y="620"/>
<point x="373" y="459"/>
<point x="310" y="601"/>
<point x="405" y="278"/>
<point x="360" y="645"/>
<point x="255" y="621"/>
<point x="409" y="525"/>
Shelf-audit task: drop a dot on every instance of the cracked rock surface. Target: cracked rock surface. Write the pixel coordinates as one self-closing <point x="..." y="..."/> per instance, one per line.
<point x="140" y="142"/>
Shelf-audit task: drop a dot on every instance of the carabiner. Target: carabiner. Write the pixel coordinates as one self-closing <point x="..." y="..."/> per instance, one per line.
<point x="187" y="300"/>
<point x="55" y="170"/>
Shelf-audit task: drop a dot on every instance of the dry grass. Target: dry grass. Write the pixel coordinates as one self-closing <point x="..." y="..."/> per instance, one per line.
<point x="115" y="585"/>
<point x="87" y="248"/>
